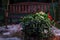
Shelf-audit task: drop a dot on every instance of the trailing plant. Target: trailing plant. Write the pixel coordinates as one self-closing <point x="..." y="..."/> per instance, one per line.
<point x="37" y="25"/>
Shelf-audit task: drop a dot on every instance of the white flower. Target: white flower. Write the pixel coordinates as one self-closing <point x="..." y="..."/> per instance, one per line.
<point x="37" y="13"/>
<point x="42" y="12"/>
<point x="45" y="31"/>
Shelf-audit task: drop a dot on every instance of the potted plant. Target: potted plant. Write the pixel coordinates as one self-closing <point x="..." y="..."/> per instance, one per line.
<point x="37" y="26"/>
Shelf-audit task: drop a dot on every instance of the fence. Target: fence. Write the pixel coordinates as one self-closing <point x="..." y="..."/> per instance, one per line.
<point x="28" y="7"/>
<point x="21" y="9"/>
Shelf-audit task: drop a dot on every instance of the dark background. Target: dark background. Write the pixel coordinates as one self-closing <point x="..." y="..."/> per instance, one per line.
<point x="0" y="3"/>
<point x="18" y="1"/>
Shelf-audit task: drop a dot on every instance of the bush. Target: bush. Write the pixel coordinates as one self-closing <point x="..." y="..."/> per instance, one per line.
<point x="37" y="25"/>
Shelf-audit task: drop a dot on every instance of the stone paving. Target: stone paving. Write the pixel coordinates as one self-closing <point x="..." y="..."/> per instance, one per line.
<point x="11" y="29"/>
<point x="13" y="38"/>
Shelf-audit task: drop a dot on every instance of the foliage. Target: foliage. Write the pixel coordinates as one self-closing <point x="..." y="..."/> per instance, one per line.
<point x="37" y="25"/>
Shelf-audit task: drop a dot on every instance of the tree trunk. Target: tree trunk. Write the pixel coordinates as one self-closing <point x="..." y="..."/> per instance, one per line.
<point x="5" y="4"/>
